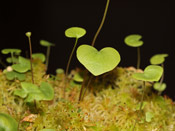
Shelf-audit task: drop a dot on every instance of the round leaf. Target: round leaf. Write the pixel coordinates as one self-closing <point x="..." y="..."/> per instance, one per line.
<point x="75" y="32"/>
<point x="78" y="77"/>
<point x="59" y="71"/>
<point x="46" y="43"/>
<point x="149" y="116"/>
<point x="133" y="40"/>
<point x="151" y="73"/>
<point x="7" y="51"/>
<point x="98" y="62"/>
<point x="7" y="123"/>
<point x="9" y="60"/>
<point x="159" y="87"/>
<point x="47" y="91"/>
<point x="40" y="56"/>
<point x="158" y="59"/>
<point x="13" y="74"/>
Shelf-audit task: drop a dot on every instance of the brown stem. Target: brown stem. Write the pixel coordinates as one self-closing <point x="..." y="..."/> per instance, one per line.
<point x="138" y="57"/>
<point x="102" y="22"/>
<point x="47" y="57"/>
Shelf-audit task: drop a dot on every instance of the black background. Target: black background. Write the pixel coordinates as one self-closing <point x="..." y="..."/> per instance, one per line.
<point x="48" y="19"/>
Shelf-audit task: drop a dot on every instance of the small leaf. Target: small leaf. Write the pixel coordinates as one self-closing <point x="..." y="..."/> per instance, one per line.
<point x="133" y="40"/>
<point x="21" y="93"/>
<point x="59" y="71"/>
<point x="23" y="66"/>
<point x="78" y="77"/>
<point x="143" y="106"/>
<point x="9" y="60"/>
<point x="149" y="116"/>
<point x="13" y="74"/>
<point x="7" y="123"/>
<point x="98" y="62"/>
<point x="75" y="32"/>
<point x="159" y="87"/>
<point x="28" y="34"/>
<point x="46" y="43"/>
<point x="47" y="91"/>
<point x="158" y="59"/>
<point x="151" y="73"/>
<point x="40" y="56"/>
<point x="7" y="51"/>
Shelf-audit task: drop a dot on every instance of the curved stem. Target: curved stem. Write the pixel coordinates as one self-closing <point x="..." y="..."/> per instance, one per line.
<point x="138" y="57"/>
<point x="30" y="46"/>
<point x="102" y="22"/>
<point x="47" y="57"/>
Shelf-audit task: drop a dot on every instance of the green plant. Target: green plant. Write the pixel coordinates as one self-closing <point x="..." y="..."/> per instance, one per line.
<point x="40" y="56"/>
<point x="159" y="59"/>
<point x="7" y="123"/>
<point x="134" y="41"/>
<point x="48" y="45"/>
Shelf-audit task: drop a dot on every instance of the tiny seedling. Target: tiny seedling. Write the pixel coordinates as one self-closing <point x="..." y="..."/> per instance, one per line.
<point x="73" y="32"/>
<point x="28" y="34"/>
<point x="48" y="45"/>
<point x="12" y="52"/>
<point x="32" y="92"/>
<point x="134" y="41"/>
<point x="40" y="56"/>
<point x="97" y="62"/>
<point x="149" y="116"/>
<point x="151" y="73"/>
<point x="157" y="60"/>
<point x="7" y="123"/>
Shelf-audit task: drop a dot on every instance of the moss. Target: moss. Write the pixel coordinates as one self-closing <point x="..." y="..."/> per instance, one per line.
<point x="110" y="104"/>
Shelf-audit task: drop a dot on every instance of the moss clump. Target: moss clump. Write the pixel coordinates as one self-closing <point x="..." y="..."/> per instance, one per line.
<point x="110" y="104"/>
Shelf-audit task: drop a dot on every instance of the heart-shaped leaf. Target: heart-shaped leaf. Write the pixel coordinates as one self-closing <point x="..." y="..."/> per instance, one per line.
<point x="7" y="123"/>
<point x="23" y="65"/>
<point x="31" y="92"/>
<point x="75" y="32"/>
<point x="158" y="59"/>
<point x="133" y="40"/>
<point x="159" y="86"/>
<point x="7" y="51"/>
<point x="98" y="62"/>
<point x="149" y="116"/>
<point x="46" y="43"/>
<point x="11" y="75"/>
<point x="40" y="56"/>
<point x="10" y="60"/>
<point x="151" y="73"/>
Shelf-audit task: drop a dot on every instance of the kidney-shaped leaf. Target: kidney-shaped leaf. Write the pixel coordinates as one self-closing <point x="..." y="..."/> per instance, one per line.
<point x="7" y="51"/>
<point x="98" y="62"/>
<point x="75" y="32"/>
<point x="10" y="60"/>
<point x="159" y="86"/>
<point x="151" y="73"/>
<point x="40" y="56"/>
<point x="158" y="59"/>
<point x="133" y="40"/>
<point x="46" y="43"/>
<point x="23" y="65"/>
<point x="11" y="75"/>
<point x="7" y="123"/>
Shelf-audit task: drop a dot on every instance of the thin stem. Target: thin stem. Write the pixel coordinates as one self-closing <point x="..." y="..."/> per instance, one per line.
<point x="81" y="91"/>
<point x="162" y="78"/>
<point x="12" y="57"/>
<point x="138" y="57"/>
<point x="141" y="103"/>
<point x="47" y="57"/>
<point x="102" y="22"/>
<point x="89" y="81"/>
<point x="30" y="46"/>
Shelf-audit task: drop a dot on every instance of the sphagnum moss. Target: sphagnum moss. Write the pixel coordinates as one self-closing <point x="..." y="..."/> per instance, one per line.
<point x="114" y="107"/>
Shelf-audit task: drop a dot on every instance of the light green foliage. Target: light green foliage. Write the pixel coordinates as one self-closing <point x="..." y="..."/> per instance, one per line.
<point x="75" y="32"/>
<point x="48" y="130"/>
<point x="23" y="65"/>
<point x="78" y="77"/>
<point x="11" y="75"/>
<point x="133" y="40"/>
<point x="151" y="73"/>
<point x="143" y="106"/>
<point x="158" y="59"/>
<point x="149" y="116"/>
<point x="31" y="92"/>
<point x="46" y="43"/>
<point x="28" y="34"/>
<point x="159" y="86"/>
<point x="98" y="62"/>
<point x="7" y="123"/>
<point x="40" y="56"/>
<point x="7" y="51"/>
<point x="59" y="71"/>
<point x="11" y="60"/>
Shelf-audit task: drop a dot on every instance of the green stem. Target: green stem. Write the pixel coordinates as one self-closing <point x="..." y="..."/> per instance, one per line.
<point x="30" y="46"/>
<point x="138" y="57"/>
<point x="162" y="78"/>
<point x="12" y="57"/>
<point x="47" y="57"/>
<point x="102" y="22"/>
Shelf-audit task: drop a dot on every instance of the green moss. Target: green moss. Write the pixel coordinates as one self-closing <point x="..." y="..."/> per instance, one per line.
<point x="111" y="103"/>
